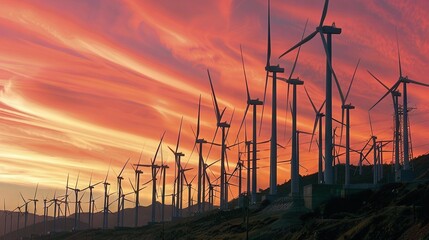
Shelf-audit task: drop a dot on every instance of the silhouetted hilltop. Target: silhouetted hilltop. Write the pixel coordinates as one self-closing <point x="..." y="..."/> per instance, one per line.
<point x="393" y="211"/>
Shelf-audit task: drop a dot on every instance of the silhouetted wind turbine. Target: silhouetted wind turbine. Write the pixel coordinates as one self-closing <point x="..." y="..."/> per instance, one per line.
<point x="154" y="170"/>
<point x="106" y="201"/>
<point x="395" y="95"/>
<point x="317" y="122"/>
<point x="347" y="107"/>
<point x="25" y="213"/>
<point x="404" y="80"/>
<point x="66" y="204"/>
<point x="221" y="125"/>
<point x="200" y="142"/>
<point x="119" y="179"/>
<point x="295" y="154"/>
<point x="137" y="189"/>
<point x="91" y="197"/>
<point x="327" y="44"/>
<point x="76" y="194"/>
<point x="163" y="174"/>
<point x="251" y="102"/>
<point x="34" y="200"/>
<point x="177" y="158"/>
<point x="274" y="69"/>
<point x="189" y="185"/>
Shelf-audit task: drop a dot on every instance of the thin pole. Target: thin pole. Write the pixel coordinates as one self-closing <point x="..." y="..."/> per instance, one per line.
<point x="254" y="157"/>
<point x="328" y="123"/>
<point x="273" y="142"/>
<point x="320" y="172"/>
<point x="405" y="126"/>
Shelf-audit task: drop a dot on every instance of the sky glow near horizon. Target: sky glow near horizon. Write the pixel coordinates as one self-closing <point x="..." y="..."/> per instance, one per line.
<point x="88" y="84"/>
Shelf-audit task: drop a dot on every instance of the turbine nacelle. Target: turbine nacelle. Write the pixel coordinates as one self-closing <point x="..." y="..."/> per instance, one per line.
<point x="276" y="69"/>
<point x="329" y="29"/>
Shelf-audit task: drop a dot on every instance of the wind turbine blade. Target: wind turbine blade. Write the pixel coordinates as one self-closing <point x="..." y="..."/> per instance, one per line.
<point x="351" y="82"/>
<point x="244" y="72"/>
<point x="230" y="121"/>
<point x="418" y="83"/>
<point x="178" y="136"/>
<point x="314" y="130"/>
<point x="387" y="93"/>
<point x="140" y="157"/>
<point x="321" y="107"/>
<point x="77" y="180"/>
<point x="370" y="123"/>
<point x="160" y="142"/>
<point x="22" y="197"/>
<point x="132" y="186"/>
<point x="325" y="11"/>
<point x="227" y="161"/>
<point x="192" y="179"/>
<point x="217" y="112"/>
<point x="263" y="103"/>
<point x="308" y="38"/>
<point x="198" y="119"/>
<point x="171" y="150"/>
<point x="211" y="145"/>
<point x="399" y="55"/>
<point x="242" y="121"/>
<point x="90" y="178"/>
<point x="311" y="101"/>
<point x="120" y="173"/>
<point x="67" y="184"/>
<point x="378" y="80"/>
<point x="35" y="193"/>
<point x="342" y="125"/>
<point x="299" y="50"/>
<point x="108" y="169"/>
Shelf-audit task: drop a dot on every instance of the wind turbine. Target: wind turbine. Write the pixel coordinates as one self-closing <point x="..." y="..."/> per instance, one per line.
<point x="18" y="216"/>
<point x="404" y="80"/>
<point x="177" y="158"/>
<point x="123" y="199"/>
<point x="347" y="107"/>
<point x="223" y="126"/>
<point x="119" y="179"/>
<point x="251" y="102"/>
<point x="79" y="206"/>
<point x="154" y="169"/>
<point x="206" y="176"/>
<point x="317" y="121"/>
<point x="91" y="197"/>
<point x="25" y="213"/>
<point x="66" y="204"/>
<point x="327" y="44"/>
<point x="163" y="174"/>
<point x="106" y="201"/>
<point x="395" y="95"/>
<point x="34" y="200"/>
<point x="189" y="185"/>
<point x="200" y="142"/>
<point x="76" y="194"/>
<point x="137" y="173"/>
<point x="274" y="69"/>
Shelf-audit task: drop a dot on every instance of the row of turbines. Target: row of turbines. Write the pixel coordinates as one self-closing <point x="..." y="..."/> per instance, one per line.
<point x="208" y="182"/>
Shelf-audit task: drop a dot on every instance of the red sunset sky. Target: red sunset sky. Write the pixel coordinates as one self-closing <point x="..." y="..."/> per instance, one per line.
<point x="85" y="83"/>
